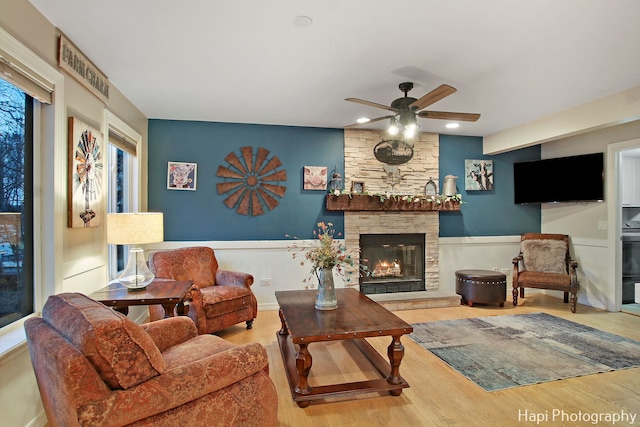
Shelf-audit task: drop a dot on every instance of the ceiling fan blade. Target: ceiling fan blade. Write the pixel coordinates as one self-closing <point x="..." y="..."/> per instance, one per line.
<point x="370" y="121"/>
<point x="444" y="115"/>
<point x="435" y="95"/>
<point x="371" y="104"/>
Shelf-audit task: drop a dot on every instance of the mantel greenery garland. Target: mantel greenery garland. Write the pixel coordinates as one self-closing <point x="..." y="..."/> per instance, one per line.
<point x="438" y="199"/>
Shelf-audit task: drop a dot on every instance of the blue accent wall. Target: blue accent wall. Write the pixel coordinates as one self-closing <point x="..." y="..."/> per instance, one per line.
<point x="486" y="213"/>
<point x="202" y="214"/>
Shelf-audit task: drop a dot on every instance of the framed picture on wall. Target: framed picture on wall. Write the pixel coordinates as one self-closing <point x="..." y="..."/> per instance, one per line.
<point x="85" y="205"/>
<point x="357" y="187"/>
<point x="181" y="176"/>
<point x="315" y="178"/>
<point x="478" y="175"/>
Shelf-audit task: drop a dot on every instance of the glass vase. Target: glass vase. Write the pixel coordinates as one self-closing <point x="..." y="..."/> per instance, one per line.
<point x="136" y="275"/>
<point x="326" y="299"/>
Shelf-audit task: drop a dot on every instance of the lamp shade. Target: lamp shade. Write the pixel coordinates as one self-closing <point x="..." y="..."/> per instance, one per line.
<point x="135" y="228"/>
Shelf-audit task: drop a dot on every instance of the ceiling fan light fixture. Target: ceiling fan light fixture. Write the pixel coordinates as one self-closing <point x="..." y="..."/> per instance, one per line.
<point x="393" y="128"/>
<point x="410" y="130"/>
<point x="363" y="120"/>
<point x="452" y="125"/>
<point x="406" y="110"/>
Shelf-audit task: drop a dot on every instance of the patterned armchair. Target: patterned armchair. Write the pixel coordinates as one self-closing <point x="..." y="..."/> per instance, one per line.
<point x="218" y="298"/>
<point x="544" y="262"/>
<point x="96" y="367"/>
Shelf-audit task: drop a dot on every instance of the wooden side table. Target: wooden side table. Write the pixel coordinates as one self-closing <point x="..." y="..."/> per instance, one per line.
<point x="166" y="292"/>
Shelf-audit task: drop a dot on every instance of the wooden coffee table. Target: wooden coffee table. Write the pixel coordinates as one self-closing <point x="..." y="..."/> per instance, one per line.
<point x="166" y="292"/>
<point x="356" y="318"/>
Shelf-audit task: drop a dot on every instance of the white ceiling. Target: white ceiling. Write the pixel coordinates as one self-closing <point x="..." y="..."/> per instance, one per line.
<point x="246" y="61"/>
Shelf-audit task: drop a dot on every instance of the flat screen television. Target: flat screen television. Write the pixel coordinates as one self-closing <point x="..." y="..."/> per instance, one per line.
<point x="563" y="179"/>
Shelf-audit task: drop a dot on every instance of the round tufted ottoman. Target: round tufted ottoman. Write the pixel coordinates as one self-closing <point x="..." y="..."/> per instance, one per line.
<point x="481" y="286"/>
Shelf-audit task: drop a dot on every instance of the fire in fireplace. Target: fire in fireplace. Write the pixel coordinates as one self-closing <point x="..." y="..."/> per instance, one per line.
<point x="395" y="263"/>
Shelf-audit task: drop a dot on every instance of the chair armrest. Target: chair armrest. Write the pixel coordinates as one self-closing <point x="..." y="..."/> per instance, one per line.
<point x="168" y="332"/>
<point x="573" y="276"/>
<point x="216" y="371"/>
<point x="572" y="264"/>
<point x="233" y="278"/>
<point x="516" y="269"/>
<point x="224" y="368"/>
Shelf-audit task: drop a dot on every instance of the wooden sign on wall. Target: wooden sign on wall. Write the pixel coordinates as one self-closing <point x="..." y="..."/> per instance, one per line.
<point x="74" y="62"/>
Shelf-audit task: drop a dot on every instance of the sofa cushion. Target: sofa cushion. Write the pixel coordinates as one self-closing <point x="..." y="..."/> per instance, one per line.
<point x="120" y="350"/>
<point x="536" y="278"/>
<point x="547" y="256"/>
<point x="218" y="300"/>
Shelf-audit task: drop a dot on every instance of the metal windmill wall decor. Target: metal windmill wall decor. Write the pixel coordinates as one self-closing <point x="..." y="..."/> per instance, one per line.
<point x="253" y="183"/>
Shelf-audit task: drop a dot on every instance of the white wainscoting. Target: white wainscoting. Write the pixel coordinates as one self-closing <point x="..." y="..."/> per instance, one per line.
<point x="592" y="256"/>
<point x="272" y="260"/>
<point x="487" y="253"/>
<point x="483" y="253"/>
<point x="264" y="259"/>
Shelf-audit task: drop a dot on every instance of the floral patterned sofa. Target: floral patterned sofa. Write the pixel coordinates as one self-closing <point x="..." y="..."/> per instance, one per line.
<point x="96" y="367"/>
<point x="218" y="298"/>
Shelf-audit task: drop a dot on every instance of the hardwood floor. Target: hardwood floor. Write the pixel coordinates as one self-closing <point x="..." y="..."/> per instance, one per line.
<point x="440" y="396"/>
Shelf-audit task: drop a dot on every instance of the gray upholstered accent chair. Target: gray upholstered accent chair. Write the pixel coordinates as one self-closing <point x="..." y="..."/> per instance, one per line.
<point x="544" y="262"/>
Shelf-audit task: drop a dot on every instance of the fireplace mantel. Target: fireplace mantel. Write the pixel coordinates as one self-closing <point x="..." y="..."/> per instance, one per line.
<point x="364" y="202"/>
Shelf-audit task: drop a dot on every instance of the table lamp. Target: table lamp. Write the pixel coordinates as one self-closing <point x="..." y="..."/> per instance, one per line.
<point x="135" y="229"/>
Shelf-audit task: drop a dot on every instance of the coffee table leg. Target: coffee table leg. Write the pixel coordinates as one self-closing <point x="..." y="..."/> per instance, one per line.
<point x="303" y="365"/>
<point x="283" y="328"/>
<point x="395" y="351"/>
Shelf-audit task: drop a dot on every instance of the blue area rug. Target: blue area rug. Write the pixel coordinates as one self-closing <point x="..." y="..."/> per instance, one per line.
<point x="500" y="352"/>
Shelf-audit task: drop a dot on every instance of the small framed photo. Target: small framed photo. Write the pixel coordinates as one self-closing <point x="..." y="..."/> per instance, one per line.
<point x="357" y="187"/>
<point x="182" y="176"/>
<point x="430" y="188"/>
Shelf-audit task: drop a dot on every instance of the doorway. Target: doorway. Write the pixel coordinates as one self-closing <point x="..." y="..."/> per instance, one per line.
<point x="628" y="206"/>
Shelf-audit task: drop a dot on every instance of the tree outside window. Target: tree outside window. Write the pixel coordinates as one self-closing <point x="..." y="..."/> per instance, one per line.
<point x="16" y="220"/>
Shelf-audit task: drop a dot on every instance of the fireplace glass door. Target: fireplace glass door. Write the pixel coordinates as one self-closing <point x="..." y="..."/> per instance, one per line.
<point x="395" y="263"/>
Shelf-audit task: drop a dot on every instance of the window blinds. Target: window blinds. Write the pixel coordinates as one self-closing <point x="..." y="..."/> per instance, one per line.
<point x="122" y="142"/>
<point x="18" y="75"/>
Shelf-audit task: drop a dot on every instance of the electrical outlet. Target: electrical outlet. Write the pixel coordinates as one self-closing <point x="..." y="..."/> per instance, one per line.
<point x="602" y="225"/>
<point x="505" y="271"/>
<point x="265" y="282"/>
<point x="495" y="269"/>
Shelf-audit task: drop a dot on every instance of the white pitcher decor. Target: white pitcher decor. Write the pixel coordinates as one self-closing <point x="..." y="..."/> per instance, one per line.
<point x="450" y="188"/>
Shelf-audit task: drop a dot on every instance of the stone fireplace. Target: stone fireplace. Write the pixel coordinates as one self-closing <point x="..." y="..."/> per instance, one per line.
<point x="361" y="165"/>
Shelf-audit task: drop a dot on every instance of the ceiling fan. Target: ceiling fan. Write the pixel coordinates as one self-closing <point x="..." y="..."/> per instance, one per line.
<point x="406" y="109"/>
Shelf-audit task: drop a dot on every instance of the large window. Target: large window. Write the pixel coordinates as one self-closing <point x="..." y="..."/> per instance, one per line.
<point x="123" y="188"/>
<point x="33" y="212"/>
<point x="16" y="204"/>
<point x="119" y="196"/>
